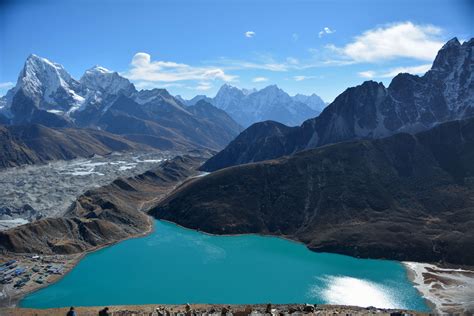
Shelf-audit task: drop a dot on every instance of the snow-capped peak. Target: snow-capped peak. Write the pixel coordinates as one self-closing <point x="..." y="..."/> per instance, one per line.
<point x="48" y="84"/>
<point x="99" y="69"/>
<point x="104" y="80"/>
<point x="39" y="73"/>
<point x="313" y="101"/>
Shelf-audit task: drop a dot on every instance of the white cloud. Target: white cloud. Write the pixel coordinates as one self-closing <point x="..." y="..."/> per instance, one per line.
<point x="249" y="34"/>
<point x="324" y="31"/>
<point x="144" y="69"/>
<point x="292" y="61"/>
<point x="415" y="70"/>
<point x="151" y="85"/>
<point x="399" y="40"/>
<point x="203" y="86"/>
<point x="268" y="64"/>
<point x="6" y="85"/>
<point x="259" y="79"/>
<point x="367" y="74"/>
<point x="301" y="78"/>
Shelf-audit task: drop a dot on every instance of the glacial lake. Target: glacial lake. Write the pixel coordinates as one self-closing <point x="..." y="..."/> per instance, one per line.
<point x="174" y="265"/>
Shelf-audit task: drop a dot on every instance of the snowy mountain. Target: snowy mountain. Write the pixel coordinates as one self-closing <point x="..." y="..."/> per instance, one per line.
<point x="314" y="101"/>
<point x="48" y="84"/>
<point x="409" y="104"/>
<point x="248" y="106"/>
<point x="43" y="89"/>
<point x="102" y="99"/>
<point x="101" y="79"/>
<point x="194" y="100"/>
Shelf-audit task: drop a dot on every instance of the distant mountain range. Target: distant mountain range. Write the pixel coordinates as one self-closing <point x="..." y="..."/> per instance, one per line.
<point x="271" y="103"/>
<point x="46" y="94"/>
<point x="409" y="104"/>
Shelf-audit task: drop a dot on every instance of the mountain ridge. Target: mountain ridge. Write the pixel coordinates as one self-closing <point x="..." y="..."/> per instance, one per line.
<point x="409" y="104"/>
<point x="102" y="99"/>
<point x="269" y="103"/>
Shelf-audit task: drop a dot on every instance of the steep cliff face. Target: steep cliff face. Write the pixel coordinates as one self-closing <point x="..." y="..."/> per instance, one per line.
<point x="410" y="104"/>
<point x="101" y="216"/>
<point x="405" y="197"/>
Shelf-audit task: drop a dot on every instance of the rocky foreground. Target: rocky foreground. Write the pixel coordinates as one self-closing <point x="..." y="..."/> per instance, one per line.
<point x="215" y="310"/>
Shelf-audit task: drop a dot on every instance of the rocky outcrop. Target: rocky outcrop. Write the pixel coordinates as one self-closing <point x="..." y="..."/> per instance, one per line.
<point x="101" y="216"/>
<point x="34" y="143"/>
<point x="214" y="309"/>
<point x="405" y="197"/>
<point x="410" y="104"/>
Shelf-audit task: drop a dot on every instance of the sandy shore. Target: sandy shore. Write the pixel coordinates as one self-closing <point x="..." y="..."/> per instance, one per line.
<point x="206" y="309"/>
<point x="447" y="290"/>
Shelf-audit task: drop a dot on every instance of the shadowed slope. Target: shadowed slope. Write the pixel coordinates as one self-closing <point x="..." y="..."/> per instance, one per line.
<point x="406" y="197"/>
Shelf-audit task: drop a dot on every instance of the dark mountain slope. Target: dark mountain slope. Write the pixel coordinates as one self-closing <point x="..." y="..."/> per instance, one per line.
<point x="33" y="143"/>
<point x="410" y="104"/>
<point x="202" y="126"/>
<point x="406" y="197"/>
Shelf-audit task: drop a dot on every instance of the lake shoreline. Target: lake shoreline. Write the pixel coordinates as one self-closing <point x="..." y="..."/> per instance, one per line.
<point x="412" y="274"/>
<point x="70" y="264"/>
<point x="446" y="290"/>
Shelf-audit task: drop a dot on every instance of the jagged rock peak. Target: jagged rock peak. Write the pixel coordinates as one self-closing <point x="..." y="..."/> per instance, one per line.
<point x="39" y="75"/>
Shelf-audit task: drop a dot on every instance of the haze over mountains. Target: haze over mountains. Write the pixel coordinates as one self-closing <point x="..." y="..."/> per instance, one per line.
<point x="46" y="94"/>
<point x="409" y="104"/>
<point x="270" y="103"/>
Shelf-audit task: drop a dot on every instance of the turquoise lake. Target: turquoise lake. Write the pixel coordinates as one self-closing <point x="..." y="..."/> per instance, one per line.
<point x="175" y="265"/>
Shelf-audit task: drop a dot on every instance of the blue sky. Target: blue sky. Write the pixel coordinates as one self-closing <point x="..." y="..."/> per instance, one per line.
<point x="193" y="47"/>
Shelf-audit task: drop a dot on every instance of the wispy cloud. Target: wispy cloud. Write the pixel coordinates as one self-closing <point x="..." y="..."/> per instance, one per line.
<point x="203" y="86"/>
<point x="249" y="34"/>
<point x="398" y="40"/>
<point x="6" y="85"/>
<point x="143" y="70"/>
<point x="301" y="78"/>
<point x="268" y="64"/>
<point x="292" y="61"/>
<point x="259" y="79"/>
<point x="295" y="36"/>
<point x="369" y="74"/>
<point x="325" y="31"/>
<point x="415" y="70"/>
<point x="151" y="85"/>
